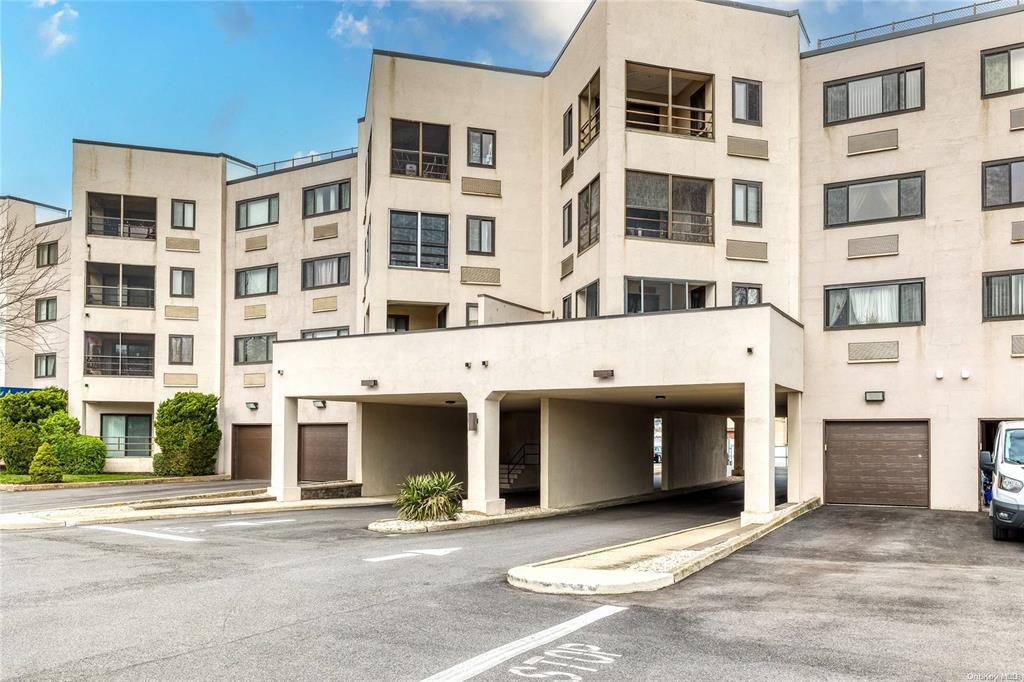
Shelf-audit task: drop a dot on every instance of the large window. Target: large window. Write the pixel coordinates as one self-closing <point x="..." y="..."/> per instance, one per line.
<point x="114" y="284"/>
<point x="1002" y="70"/>
<point x="472" y="314"/>
<point x="669" y="207"/>
<point x="567" y="223"/>
<point x="673" y="101"/>
<point x="874" y="305"/>
<point x="46" y="254"/>
<point x="119" y="355"/>
<point x="646" y="295"/>
<point x="179" y="349"/>
<point x="874" y="200"/>
<point x="480" y="235"/>
<point x="255" y="349"/>
<point x="1003" y="183"/>
<point x="325" y="333"/>
<point x="116" y="215"/>
<point x="567" y="308"/>
<point x="588" y="208"/>
<point x="324" y="199"/>
<point x="588" y="300"/>
<point x="746" y="203"/>
<point x="877" y="94"/>
<point x="183" y="214"/>
<point x="328" y="271"/>
<point x="590" y="112"/>
<point x="1004" y="295"/>
<point x="746" y="101"/>
<point x="46" y="309"/>
<point x="419" y="240"/>
<point x="481" y="148"/>
<point x="567" y="130"/>
<point x="183" y="282"/>
<point x="256" y="212"/>
<point x="746" y="294"/>
<point x="256" y="281"/>
<point x="46" y="365"/>
<point x="126" y="435"/>
<point x="419" y="150"/>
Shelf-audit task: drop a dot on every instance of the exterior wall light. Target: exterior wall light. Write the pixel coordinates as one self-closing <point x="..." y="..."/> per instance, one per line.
<point x="368" y="383"/>
<point x="604" y="373"/>
<point x="939" y="374"/>
<point x="874" y="396"/>
<point x="965" y="374"/>
<point x="319" y="404"/>
<point x="252" y="405"/>
<point x="471" y="421"/>
<point x="659" y="397"/>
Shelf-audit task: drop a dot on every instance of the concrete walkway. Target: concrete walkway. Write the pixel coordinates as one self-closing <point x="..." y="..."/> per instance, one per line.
<point x="63" y="498"/>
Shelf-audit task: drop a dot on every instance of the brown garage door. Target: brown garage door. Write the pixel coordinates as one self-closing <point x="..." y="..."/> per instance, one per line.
<point x="250" y="452"/>
<point x="876" y="463"/>
<point x="323" y="452"/>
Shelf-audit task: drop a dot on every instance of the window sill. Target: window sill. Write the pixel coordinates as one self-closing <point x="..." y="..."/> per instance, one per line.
<point x="1016" y="204"/>
<point x="859" y="327"/>
<point x="878" y="221"/>
<point x="1003" y="318"/>
<point x="326" y="286"/>
<point x="884" y="114"/>
<point x="116" y="307"/>
<point x="321" y="215"/>
<point x="255" y="227"/>
<point x="588" y="248"/>
<point x="416" y="269"/>
<point x="655" y="240"/>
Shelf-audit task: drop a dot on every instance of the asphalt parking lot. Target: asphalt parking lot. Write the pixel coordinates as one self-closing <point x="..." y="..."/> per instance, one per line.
<point x="842" y="592"/>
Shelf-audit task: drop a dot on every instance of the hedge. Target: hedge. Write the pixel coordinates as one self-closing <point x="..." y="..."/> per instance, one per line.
<point x="45" y="468"/>
<point x="188" y="435"/>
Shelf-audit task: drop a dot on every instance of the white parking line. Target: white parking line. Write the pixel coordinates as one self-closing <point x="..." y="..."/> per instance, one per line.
<point x="441" y="551"/>
<point x="146" y="533"/>
<point x="251" y="523"/>
<point x="494" y="657"/>
<point x="391" y="557"/>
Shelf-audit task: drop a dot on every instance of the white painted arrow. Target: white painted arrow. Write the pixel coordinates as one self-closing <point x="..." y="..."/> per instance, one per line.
<point x="436" y="552"/>
<point x="441" y="551"/>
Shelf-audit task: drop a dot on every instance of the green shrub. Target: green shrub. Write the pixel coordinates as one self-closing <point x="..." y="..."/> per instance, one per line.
<point x="33" y="406"/>
<point x="82" y="455"/>
<point x="59" y="430"/>
<point x="45" y="468"/>
<point x="436" y="496"/>
<point x="187" y="433"/>
<point x="162" y="465"/>
<point x="18" y="445"/>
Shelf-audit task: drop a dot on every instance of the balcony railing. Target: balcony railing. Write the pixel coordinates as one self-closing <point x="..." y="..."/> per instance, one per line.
<point x="304" y="160"/>
<point x="407" y="162"/>
<point x="120" y="297"/>
<point x="128" y="446"/>
<point x="590" y="129"/>
<point x="118" y="366"/>
<point x="696" y="228"/>
<point x="129" y="228"/>
<point x="674" y="119"/>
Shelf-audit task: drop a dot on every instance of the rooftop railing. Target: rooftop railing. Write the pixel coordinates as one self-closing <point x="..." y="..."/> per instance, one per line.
<point x="933" y="19"/>
<point x="303" y="160"/>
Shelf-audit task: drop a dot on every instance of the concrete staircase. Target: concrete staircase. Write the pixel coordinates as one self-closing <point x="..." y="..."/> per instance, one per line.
<point x="522" y="470"/>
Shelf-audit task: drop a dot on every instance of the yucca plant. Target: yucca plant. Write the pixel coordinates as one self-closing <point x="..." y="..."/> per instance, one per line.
<point x="436" y="496"/>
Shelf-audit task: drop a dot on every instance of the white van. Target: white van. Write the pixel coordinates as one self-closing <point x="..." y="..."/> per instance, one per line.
<point x="1005" y="465"/>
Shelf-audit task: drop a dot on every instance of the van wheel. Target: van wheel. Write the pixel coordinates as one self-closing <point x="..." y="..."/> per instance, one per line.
<point x="999" y="533"/>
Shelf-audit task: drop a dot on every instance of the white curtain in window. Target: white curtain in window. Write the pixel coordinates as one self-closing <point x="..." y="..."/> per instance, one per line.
<point x="739" y="100"/>
<point x="739" y="199"/>
<point x="874" y="305"/>
<point x="1017" y="68"/>
<point x="1017" y="294"/>
<point x="874" y="200"/>
<point x="487" y="156"/>
<point x="325" y="272"/>
<point x="254" y="281"/>
<point x="257" y="212"/>
<point x="837" y="303"/>
<point x="865" y="97"/>
<point x="486" y="236"/>
<point x="913" y="89"/>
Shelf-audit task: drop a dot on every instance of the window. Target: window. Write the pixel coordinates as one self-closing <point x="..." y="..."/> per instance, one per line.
<point x="256" y="281"/>
<point x="567" y="307"/>
<point x="875" y="200"/>
<point x="179" y="349"/>
<point x="419" y="150"/>
<point x="114" y="284"/>
<point x="481" y="146"/>
<point x="126" y="435"/>
<point x="588" y="300"/>
<point x="480" y="235"/>
<point x="879" y="304"/>
<point x="46" y="309"/>
<point x="116" y="215"/>
<point x="325" y="333"/>
<point x="255" y="349"/>
<point x="588" y="230"/>
<point x="746" y="203"/>
<point x="472" y="314"/>
<point x="119" y="355"/>
<point x="330" y="271"/>
<point x="567" y="223"/>
<point x="46" y="254"/>
<point x="419" y="240"/>
<point x="256" y="212"/>
<point x="672" y="101"/>
<point x="746" y="294"/>
<point x="325" y="199"/>
<point x="590" y="112"/>
<point x="746" y="101"/>
<point x="1002" y="70"/>
<point x="183" y="214"/>
<point x="183" y="282"/>
<point x="46" y="365"/>
<point x="646" y="295"/>
<point x="398" y="323"/>
<point x="669" y="207"/>
<point x="1003" y="183"/>
<point x="877" y="94"/>
<point x="567" y="130"/>
<point x="1004" y="295"/>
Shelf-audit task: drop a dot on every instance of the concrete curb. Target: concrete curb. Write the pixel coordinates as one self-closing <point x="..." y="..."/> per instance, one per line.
<point x="28" y="487"/>
<point x="548" y="578"/>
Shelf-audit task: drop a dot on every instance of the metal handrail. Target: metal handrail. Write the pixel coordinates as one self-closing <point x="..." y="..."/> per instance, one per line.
<point x="699" y="124"/>
<point x="304" y="160"/>
<point x="127" y="228"/>
<point x="119" y="365"/>
<point x="528" y="454"/>
<point x="120" y="297"/>
<point x="128" y="446"/>
<point x="930" y="19"/>
<point x="685" y="226"/>
<point x="414" y="163"/>
<point x="590" y="129"/>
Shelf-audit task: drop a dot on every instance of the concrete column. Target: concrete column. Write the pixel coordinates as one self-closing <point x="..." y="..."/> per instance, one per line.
<point x="794" y="468"/>
<point x="737" y="447"/>
<point x="355" y="446"/>
<point x="284" y="449"/>
<point x="758" y="451"/>
<point x="483" y="451"/>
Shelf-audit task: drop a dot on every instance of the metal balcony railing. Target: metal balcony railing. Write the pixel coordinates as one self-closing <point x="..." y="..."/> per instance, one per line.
<point x="590" y="129"/>
<point x="675" y="119"/>
<point x="118" y="366"/>
<point x="127" y="228"/>
<point x="304" y="160"/>
<point x="120" y="297"/>
<point x="128" y="446"/>
<point x="685" y="226"/>
<point x="414" y="163"/>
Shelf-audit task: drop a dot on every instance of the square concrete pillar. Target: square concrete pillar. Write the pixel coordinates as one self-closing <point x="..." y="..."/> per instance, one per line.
<point x="284" y="449"/>
<point x="794" y="468"/>
<point x="483" y="452"/>
<point x="758" y="451"/>
<point x="737" y="446"/>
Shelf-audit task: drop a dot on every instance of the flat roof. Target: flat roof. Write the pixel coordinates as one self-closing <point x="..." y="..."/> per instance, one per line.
<point x="123" y="145"/>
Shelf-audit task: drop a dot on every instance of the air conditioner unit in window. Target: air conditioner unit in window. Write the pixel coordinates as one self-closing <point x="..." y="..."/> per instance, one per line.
<point x="410" y="169"/>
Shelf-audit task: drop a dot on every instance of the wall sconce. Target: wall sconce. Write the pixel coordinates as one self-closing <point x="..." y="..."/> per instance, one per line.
<point x="471" y="421"/>
<point x="368" y="383"/>
<point x="468" y="365"/>
<point x="280" y="372"/>
<point x="319" y="404"/>
<point x="874" y="396"/>
<point x="939" y="374"/>
<point x="750" y="350"/>
<point x="252" y="405"/>
<point x="484" y="363"/>
<point x="604" y="373"/>
<point x="965" y="374"/>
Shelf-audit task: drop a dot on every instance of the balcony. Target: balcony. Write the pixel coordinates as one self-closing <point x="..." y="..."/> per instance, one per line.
<point x="420" y="150"/>
<point x="113" y="354"/>
<point x="127" y="217"/>
<point x="669" y="101"/>
<point x="119" y="286"/>
<point x="590" y="112"/>
<point x="673" y="208"/>
<point x="128" y="446"/>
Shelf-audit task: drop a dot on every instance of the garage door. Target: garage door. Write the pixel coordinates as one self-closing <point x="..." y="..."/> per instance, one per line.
<point x="250" y="452"/>
<point x="876" y="463"/>
<point x="323" y="452"/>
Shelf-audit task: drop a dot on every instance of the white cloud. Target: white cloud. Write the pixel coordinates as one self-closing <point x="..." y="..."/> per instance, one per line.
<point x="304" y="156"/>
<point x="550" y="23"/>
<point x="482" y="57"/>
<point x="460" y="10"/>
<point x="350" y="31"/>
<point x="43" y="3"/>
<point x="53" y="30"/>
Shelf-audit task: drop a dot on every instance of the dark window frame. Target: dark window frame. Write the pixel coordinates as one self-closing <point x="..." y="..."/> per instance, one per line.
<point x="192" y="349"/>
<point x="759" y="121"/>
<point x="567" y="309"/>
<point x="304" y="332"/>
<point x="419" y="241"/>
<point x="567" y="226"/>
<point x="46" y="300"/>
<point x="50" y="373"/>
<point x="760" y="203"/>
<point x="339" y="283"/>
<point x="747" y="286"/>
<point x="494" y="235"/>
<point x="887" y="325"/>
<point x="53" y="246"/>
<point x="419" y="161"/>
<point x="592" y="236"/>
<point x="849" y="79"/>
<point x="494" y="147"/>
<point x="149" y="446"/>
<point x="170" y="283"/>
<point x="183" y="201"/>
<point x="584" y="291"/>
<point x="567" y="130"/>
<point x="257" y="267"/>
<point x="476" y="307"/>
<point x="985" y="276"/>
<point x="340" y="209"/>
<point x="712" y="210"/>
<point x="1009" y="186"/>
<point x="709" y="285"/>
<point x="251" y="200"/>
<point x="270" y="349"/>
<point x="1010" y="90"/>
<point x="595" y="115"/>
<point x="866" y="181"/>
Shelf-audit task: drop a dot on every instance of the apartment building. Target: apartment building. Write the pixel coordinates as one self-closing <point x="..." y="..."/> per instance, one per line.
<point x="516" y="273"/>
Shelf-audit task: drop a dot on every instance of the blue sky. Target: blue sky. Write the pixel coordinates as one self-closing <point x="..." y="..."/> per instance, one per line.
<point x="260" y="80"/>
